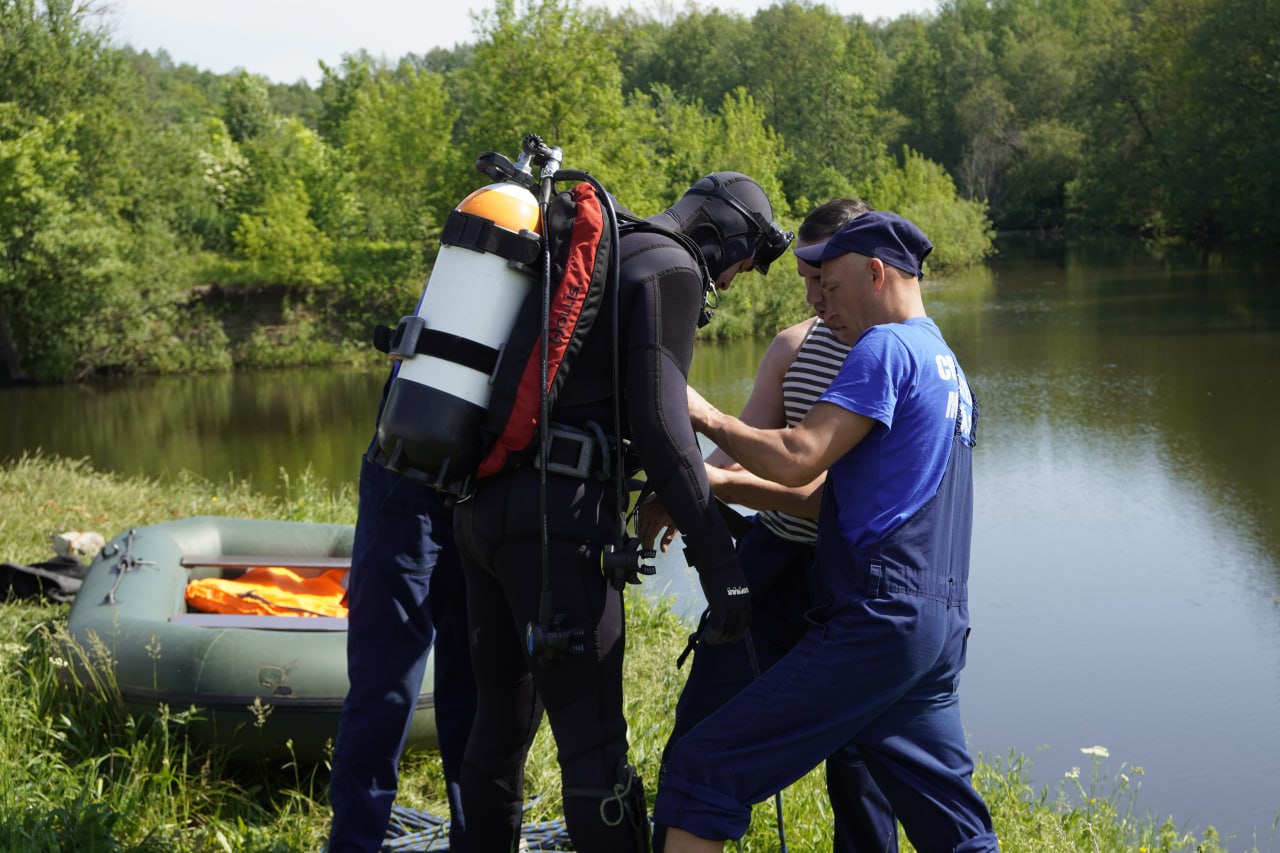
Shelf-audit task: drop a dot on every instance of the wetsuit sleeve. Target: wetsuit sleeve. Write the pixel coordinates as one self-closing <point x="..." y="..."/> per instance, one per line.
<point x="661" y="327"/>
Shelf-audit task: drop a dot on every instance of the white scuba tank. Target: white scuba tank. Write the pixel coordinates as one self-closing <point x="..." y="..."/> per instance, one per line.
<point x="451" y="347"/>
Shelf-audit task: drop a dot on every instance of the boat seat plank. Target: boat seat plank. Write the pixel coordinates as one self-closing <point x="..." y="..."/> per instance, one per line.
<point x="270" y="623"/>
<point x="253" y="561"/>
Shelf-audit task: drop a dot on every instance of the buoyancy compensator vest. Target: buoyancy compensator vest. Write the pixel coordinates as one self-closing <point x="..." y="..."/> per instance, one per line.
<point x="469" y="390"/>
<point x="578" y="245"/>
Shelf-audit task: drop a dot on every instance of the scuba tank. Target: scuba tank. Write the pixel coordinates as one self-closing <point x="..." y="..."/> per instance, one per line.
<point x="515" y="290"/>
<point x="452" y="346"/>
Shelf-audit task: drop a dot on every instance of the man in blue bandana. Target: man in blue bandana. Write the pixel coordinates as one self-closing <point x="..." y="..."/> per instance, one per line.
<point x="879" y="666"/>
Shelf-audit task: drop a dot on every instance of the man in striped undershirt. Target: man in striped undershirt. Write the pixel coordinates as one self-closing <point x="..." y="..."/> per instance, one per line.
<point x="777" y="550"/>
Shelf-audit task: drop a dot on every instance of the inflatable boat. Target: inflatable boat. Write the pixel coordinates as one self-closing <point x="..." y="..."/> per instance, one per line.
<point x="265" y="686"/>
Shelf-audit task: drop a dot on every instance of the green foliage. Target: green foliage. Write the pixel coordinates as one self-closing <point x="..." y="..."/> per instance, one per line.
<point x="288" y="157"/>
<point x="91" y="259"/>
<point x="223" y="181"/>
<point x="59" y="264"/>
<point x="281" y="243"/>
<point x="296" y="100"/>
<point x="298" y="340"/>
<point x="397" y="142"/>
<point x="1099" y="113"/>
<point x="748" y="145"/>
<point x="922" y="191"/>
<point x="123" y="173"/>
<point x="700" y="55"/>
<point x="1182" y="132"/>
<point x="339" y="89"/>
<point x="553" y="73"/>
<point x="818" y="79"/>
<point x="248" y="109"/>
<point x="676" y="136"/>
<point x="206" y="173"/>
<point x="1052" y="156"/>
<point x="381" y="282"/>
<point x="758" y="305"/>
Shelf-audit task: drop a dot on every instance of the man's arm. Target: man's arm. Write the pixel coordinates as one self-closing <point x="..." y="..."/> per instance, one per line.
<point x="736" y="485"/>
<point x="732" y="483"/>
<point x="765" y="409"/>
<point x="792" y="457"/>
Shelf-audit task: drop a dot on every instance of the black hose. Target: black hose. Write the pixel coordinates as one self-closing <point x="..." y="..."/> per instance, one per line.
<point x="545" y="609"/>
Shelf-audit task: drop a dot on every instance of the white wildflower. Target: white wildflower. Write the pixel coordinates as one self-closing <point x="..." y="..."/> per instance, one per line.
<point x="1100" y="751"/>
<point x="1073" y="773"/>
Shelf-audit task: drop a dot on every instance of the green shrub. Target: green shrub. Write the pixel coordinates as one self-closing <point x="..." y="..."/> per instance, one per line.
<point x="923" y="192"/>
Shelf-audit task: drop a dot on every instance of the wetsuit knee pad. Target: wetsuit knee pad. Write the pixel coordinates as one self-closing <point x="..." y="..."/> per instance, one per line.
<point x="622" y="808"/>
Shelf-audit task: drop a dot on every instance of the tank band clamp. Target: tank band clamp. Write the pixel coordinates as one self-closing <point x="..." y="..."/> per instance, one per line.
<point x="412" y="337"/>
<point x="480" y="235"/>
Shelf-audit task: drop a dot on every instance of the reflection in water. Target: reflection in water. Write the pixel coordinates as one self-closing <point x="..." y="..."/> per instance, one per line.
<point x="241" y="426"/>
<point x="1125" y="546"/>
<point x="1125" y="552"/>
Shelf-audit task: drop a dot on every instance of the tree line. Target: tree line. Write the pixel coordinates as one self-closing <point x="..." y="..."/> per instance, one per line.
<point x="160" y="217"/>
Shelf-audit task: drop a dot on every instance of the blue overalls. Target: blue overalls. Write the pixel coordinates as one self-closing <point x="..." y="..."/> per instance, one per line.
<point x="878" y="668"/>
<point x="405" y="591"/>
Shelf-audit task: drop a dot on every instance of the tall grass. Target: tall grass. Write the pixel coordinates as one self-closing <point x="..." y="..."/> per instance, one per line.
<point x="78" y="773"/>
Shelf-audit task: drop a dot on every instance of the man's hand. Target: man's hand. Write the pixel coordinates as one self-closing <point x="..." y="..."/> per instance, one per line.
<point x="652" y="520"/>
<point x="729" y="601"/>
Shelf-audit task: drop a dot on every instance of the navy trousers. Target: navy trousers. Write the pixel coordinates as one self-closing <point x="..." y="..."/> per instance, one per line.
<point x="778" y="571"/>
<point x="405" y="593"/>
<point x="878" y="669"/>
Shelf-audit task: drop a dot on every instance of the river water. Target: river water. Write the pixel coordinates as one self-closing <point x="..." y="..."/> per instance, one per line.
<point x="1126" y="565"/>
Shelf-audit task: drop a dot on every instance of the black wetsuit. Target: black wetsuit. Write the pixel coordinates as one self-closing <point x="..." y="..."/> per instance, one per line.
<point x="499" y="534"/>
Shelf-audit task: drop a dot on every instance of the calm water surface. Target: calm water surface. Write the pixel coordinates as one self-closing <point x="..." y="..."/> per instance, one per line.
<point x="1126" y="577"/>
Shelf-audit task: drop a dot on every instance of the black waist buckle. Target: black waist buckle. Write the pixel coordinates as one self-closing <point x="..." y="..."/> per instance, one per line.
<point x="575" y="452"/>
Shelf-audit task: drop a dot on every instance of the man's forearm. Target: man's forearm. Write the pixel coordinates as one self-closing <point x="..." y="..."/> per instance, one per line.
<point x="736" y="485"/>
<point x="764" y="452"/>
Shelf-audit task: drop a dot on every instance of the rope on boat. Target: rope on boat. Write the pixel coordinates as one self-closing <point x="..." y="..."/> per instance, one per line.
<point x="413" y="831"/>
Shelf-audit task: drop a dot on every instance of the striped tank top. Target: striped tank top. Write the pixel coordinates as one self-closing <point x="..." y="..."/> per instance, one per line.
<point x="816" y="363"/>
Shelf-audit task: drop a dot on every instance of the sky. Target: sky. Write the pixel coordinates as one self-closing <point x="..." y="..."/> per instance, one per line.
<point x="285" y="40"/>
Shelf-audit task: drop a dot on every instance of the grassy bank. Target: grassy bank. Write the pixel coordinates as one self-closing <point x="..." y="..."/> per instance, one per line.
<point x="81" y="775"/>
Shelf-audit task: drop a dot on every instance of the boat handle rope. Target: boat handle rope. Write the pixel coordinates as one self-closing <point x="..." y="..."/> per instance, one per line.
<point x="128" y="562"/>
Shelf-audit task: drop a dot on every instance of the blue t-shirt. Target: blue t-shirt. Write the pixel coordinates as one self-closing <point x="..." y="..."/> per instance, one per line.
<point x="905" y="377"/>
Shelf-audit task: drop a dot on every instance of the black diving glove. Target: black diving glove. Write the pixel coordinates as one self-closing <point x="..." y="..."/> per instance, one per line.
<point x="729" y="601"/>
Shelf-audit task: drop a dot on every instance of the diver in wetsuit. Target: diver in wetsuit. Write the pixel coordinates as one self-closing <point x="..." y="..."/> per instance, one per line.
<point x="661" y="298"/>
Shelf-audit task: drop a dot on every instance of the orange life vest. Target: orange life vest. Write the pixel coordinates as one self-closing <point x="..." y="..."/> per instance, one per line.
<point x="271" y="591"/>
